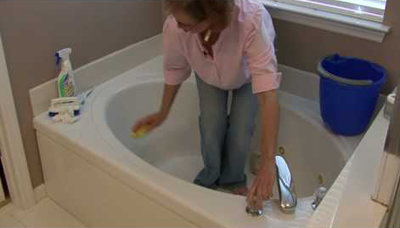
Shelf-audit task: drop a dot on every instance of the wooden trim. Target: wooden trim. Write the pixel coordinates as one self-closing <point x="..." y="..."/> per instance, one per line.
<point x="13" y="154"/>
<point x="40" y="192"/>
<point x="346" y="25"/>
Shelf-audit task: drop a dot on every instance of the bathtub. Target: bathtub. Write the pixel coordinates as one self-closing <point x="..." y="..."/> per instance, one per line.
<point x="98" y="173"/>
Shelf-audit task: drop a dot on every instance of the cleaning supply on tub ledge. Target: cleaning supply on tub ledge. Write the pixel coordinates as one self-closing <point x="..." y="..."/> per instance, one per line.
<point x="390" y="99"/>
<point x="65" y="74"/>
<point x="65" y="110"/>
<point x="85" y="95"/>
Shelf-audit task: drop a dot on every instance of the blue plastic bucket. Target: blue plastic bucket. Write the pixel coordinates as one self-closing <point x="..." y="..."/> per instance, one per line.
<point x="347" y="106"/>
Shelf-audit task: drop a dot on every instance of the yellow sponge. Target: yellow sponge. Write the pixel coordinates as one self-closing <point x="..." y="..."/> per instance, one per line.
<point x="141" y="132"/>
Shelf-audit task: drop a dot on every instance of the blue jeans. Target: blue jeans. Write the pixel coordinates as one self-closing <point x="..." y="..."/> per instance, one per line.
<point x="225" y="139"/>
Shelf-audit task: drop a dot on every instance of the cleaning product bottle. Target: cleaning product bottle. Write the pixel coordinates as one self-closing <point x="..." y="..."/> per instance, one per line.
<point x="65" y="79"/>
<point x="390" y="100"/>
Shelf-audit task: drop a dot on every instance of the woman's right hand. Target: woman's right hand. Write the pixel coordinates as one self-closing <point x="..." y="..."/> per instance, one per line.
<point x="151" y="121"/>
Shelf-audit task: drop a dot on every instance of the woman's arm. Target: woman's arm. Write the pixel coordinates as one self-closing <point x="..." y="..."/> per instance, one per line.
<point x="269" y="105"/>
<point x="156" y="119"/>
<point x="262" y="186"/>
<point x="168" y="99"/>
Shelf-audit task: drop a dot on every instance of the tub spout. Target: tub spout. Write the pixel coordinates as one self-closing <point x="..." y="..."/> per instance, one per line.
<point x="285" y="183"/>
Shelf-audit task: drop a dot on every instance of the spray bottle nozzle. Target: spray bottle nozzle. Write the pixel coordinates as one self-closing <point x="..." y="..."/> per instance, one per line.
<point x="64" y="53"/>
<point x="58" y="59"/>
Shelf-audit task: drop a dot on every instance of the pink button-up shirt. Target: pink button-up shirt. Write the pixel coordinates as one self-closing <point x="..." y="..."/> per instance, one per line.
<point x="243" y="53"/>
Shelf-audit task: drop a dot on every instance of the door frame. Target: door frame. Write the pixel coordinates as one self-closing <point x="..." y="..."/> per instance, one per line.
<point x="13" y="154"/>
<point x="391" y="171"/>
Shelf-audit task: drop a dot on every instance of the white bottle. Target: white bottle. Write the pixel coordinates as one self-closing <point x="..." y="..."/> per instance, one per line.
<point x="390" y="99"/>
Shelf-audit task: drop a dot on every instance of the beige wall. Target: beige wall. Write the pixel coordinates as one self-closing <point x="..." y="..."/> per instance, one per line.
<point x="302" y="47"/>
<point x="33" y="30"/>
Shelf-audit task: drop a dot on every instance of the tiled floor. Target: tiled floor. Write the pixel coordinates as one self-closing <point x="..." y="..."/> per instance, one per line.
<point x="45" y="214"/>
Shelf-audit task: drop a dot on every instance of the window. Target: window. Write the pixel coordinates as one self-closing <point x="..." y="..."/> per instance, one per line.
<point x="372" y="10"/>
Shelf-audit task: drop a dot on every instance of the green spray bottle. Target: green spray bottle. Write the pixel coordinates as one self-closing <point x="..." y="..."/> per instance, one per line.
<point x="65" y="78"/>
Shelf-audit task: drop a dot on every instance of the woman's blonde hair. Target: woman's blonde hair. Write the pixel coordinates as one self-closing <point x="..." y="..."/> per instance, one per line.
<point x="200" y="10"/>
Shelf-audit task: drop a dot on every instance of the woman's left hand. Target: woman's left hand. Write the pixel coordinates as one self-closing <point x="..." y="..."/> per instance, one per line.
<point x="262" y="186"/>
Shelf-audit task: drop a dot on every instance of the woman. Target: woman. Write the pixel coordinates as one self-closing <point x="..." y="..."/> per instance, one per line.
<point x="229" y="45"/>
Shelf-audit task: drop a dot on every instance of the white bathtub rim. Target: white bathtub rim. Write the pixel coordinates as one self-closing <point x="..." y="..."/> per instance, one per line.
<point x="85" y="143"/>
<point x="96" y="152"/>
<point x="125" y="177"/>
<point x="105" y="96"/>
<point x="101" y="159"/>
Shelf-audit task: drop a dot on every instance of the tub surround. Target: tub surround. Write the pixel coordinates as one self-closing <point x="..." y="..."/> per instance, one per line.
<point x="334" y="211"/>
<point x="68" y="150"/>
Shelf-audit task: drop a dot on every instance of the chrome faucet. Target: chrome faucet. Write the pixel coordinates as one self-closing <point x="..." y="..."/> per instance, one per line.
<point x="285" y="184"/>
<point x="287" y="194"/>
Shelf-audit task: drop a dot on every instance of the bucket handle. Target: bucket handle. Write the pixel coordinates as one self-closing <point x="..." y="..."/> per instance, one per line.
<point x="333" y="77"/>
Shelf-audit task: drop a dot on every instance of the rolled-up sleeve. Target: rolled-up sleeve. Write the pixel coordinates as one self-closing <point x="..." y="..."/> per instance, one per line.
<point x="260" y="52"/>
<point x="176" y="67"/>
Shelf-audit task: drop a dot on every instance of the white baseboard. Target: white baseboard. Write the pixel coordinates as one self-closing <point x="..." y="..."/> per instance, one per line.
<point x="40" y="192"/>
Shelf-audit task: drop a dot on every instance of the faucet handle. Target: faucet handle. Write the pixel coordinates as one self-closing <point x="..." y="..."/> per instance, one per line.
<point x="321" y="192"/>
<point x="254" y="211"/>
